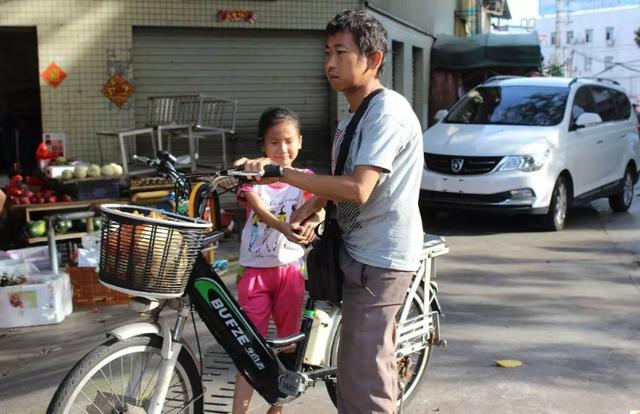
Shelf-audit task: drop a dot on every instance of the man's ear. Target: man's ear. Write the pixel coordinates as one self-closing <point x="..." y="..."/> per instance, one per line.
<point x="374" y="60"/>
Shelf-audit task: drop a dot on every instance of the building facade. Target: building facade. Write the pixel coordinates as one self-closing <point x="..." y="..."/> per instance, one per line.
<point x="260" y="53"/>
<point x="593" y="38"/>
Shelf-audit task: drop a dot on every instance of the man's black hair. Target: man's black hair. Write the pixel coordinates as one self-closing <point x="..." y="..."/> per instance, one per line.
<point x="368" y="33"/>
<point x="272" y="116"/>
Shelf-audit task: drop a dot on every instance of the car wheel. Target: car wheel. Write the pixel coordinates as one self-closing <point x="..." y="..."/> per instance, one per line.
<point x="621" y="201"/>
<point x="556" y="217"/>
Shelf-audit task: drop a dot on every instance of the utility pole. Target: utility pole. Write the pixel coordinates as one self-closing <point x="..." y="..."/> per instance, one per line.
<point x="556" y="48"/>
<point x="563" y="16"/>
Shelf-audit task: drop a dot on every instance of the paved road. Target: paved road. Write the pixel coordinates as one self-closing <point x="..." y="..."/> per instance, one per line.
<point x="565" y="304"/>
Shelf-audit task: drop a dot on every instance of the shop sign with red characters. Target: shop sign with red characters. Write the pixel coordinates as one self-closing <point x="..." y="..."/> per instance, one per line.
<point x="226" y="16"/>
<point x="118" y="90"/>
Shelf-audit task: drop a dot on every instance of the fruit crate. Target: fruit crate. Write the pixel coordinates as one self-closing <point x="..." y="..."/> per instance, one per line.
<point x="88" y="291"/>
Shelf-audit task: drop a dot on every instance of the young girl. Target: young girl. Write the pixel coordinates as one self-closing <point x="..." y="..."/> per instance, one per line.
<point x="271" y="283"/>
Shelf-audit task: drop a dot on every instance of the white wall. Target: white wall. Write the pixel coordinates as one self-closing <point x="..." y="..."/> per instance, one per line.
<point x="623" y="49"/>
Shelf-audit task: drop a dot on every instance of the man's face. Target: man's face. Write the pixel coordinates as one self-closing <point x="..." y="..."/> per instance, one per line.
<point x="344" y="66"/>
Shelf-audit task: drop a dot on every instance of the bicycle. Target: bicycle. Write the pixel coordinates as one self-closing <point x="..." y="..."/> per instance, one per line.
<point x="145" y="367"/>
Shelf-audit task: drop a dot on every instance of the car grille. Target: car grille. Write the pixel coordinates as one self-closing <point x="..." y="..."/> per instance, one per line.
<point x="466" y="198"/>
<point x="470" y="165"/>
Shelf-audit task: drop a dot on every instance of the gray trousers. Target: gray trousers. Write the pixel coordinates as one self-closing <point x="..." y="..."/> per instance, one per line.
<point x="367" y="369"/>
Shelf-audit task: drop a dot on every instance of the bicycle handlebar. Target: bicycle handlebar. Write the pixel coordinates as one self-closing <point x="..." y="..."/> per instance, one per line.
<point x="164" y="164"/>
<point x="269" y="171"/>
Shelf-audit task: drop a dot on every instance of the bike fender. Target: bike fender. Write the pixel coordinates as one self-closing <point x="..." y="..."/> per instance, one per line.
<point x="135" y="329"/>
<point x="328" y="353"/>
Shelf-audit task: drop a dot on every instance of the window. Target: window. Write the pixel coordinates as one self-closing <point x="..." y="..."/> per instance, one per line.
<point x="623" y="107"/>
<point x="582" y="102"/>
<point x="609" y="36"/>
<point x="397" y="69"/>
<point x="603" y="103"/>
<point x="511" y="105"/>
<point x="588" y="62"/>
<point x="569" y="37"/>
<point x="553" y="38"/>
<point x="418" y="79"/>
<point x="608" y="62"/>
<point x="588" y="36"/>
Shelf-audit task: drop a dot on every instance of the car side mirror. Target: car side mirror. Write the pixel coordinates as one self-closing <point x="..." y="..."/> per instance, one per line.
<point x="440" y="115"/>
<point x="588" y="119"/>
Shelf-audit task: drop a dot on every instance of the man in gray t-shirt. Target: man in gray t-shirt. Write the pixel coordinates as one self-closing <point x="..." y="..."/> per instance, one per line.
<point x="386" y="231"/>
<point x="377" y="197"/>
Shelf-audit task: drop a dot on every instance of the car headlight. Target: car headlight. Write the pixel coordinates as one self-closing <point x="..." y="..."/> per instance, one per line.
<point x="526" y="163"/>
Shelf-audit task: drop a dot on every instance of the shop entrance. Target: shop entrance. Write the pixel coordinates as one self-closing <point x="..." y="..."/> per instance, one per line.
<point x="20" y="111"/>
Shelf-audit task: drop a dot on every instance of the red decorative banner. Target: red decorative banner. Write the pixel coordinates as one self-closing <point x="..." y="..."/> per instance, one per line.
<point x="248" y="16"/>
<point x="54" y="75"/>
<point x="118" y="90"/>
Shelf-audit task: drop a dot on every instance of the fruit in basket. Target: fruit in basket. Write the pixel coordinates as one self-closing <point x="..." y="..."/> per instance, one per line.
<point x="117" y="169"/>
<point x="62" y="226"/>
<point x="80" y="171"/>
<point x="37" y="228"/>
<point x="107" y="170"/>
<point x="93" y="171"/>
<point x="67" y="174"/>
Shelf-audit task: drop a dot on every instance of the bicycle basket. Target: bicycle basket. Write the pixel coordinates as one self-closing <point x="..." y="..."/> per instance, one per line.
<point x="147" y="256"/>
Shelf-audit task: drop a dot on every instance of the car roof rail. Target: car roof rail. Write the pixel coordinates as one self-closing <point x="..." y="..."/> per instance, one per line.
<point x="501" y="77"/>
<point x="599" y="79"/>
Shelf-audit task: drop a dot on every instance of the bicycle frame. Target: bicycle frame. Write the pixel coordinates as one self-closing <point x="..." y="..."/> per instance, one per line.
<point x="234" y="331"/>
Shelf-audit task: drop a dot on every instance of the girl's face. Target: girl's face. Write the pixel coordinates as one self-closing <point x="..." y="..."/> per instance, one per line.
<point x="282" y="142"/>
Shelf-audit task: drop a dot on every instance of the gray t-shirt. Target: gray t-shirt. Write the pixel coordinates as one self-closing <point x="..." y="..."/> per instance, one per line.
<point x="386" y="231"/>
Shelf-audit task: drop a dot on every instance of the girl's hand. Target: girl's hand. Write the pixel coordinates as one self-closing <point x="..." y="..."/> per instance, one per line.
<point x="308" y="228"/>
<point x="307" y="231"/>
<point x="290" y="232"/>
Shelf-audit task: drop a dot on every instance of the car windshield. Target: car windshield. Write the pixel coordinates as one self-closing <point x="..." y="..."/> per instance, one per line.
<point x="511" y="105"/>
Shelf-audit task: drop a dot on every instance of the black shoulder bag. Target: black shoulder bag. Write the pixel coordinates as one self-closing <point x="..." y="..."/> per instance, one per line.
<point x="323" y="267"/>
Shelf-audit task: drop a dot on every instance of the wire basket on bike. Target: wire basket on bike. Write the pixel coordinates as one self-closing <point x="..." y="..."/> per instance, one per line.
<point x="148" y="254"/>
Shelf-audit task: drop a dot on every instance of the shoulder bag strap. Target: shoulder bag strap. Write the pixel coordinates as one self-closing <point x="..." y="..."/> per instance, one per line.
<point x="350" y="132"/>
<point x="343" y="151"/>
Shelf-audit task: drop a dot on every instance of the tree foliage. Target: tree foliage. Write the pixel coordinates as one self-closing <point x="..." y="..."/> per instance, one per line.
<point x="554" y="70"/>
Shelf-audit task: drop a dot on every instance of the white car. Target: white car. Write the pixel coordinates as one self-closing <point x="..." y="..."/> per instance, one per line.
<point x="535" y="146"/>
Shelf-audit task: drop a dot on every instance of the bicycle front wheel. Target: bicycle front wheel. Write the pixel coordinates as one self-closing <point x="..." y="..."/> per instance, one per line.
<point x="118" y="375"/>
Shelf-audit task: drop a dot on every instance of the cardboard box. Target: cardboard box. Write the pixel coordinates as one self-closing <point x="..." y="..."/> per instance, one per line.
<point x="44" y="299"/>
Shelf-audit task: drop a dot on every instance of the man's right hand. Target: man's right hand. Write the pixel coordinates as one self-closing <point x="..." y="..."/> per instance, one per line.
<point x="255" y="164"/>
<point x="309" y="208"/>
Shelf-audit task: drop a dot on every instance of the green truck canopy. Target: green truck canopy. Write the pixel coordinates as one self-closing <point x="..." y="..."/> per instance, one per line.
<point x="486" y="50"/>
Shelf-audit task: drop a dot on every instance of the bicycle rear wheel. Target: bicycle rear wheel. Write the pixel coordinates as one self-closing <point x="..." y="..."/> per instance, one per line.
<point x="412" y="368"/>
<point x="117" y="374"/>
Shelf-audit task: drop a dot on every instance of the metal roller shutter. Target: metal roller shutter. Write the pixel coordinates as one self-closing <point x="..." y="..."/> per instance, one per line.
<point x="258" y="68"/>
